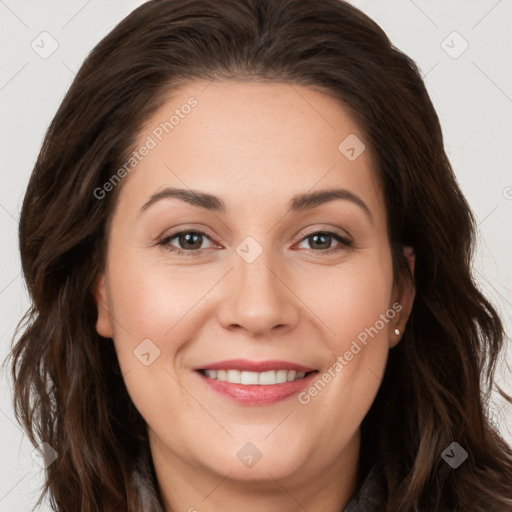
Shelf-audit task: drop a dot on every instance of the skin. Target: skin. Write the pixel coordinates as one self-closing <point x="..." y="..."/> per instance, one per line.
<point x="254" y="145"/>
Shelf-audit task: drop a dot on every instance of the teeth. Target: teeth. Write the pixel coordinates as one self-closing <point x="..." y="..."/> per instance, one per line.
<point x="233" y="376"/>
<point x="265" y="378"/>
<point x="249" y="378"/>
<point x="262" y="378"/>
<point x="281" y="376"/>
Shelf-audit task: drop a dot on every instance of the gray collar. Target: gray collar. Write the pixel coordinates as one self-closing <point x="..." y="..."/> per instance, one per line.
<point x="371" y="496"/>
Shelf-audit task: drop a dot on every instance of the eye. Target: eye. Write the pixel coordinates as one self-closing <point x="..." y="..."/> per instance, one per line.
<point x="320" y="241"/>
<point x="189" y="242"/>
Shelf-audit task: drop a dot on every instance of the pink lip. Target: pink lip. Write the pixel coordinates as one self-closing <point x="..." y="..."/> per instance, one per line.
<point x="258" y="394"/>
<point x="255" y="366"/>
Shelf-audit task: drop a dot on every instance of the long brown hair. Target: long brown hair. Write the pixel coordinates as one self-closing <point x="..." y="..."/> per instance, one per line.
<point x="69" y="391"/>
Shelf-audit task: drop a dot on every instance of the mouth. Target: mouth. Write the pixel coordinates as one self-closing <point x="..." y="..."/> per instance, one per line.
<point x="253" y="383"/>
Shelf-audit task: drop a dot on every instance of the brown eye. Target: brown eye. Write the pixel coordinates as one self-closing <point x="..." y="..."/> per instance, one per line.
<point x="188" y="242"/>
<point x="321" y="241"/>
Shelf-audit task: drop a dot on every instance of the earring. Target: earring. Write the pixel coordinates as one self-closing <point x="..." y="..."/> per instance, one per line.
<point x="397" y="332"/>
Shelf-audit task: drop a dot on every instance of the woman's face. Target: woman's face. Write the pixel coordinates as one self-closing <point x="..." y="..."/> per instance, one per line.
<point x="270" y="277"/>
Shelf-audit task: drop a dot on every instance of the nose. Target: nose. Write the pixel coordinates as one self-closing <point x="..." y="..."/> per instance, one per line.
<point x="258" y="299"/>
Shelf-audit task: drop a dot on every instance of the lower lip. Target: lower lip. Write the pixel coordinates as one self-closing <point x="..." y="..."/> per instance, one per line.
<point x="258" y="394"/>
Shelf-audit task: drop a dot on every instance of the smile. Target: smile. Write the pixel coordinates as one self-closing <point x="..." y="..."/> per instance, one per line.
<point x="268" y="378"/>
<point x="256" y="382"/>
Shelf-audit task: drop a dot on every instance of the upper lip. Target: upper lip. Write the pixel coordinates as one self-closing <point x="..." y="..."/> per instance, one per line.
<point x="255" y="366"/>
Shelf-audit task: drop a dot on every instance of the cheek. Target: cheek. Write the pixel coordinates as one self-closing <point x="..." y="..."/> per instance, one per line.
<point x="358" y="312"/>
<point x="151" y="300"/>
<point x="355" y="350"/>
<point x="152" y="310"/>
<point x="351" y="299"/>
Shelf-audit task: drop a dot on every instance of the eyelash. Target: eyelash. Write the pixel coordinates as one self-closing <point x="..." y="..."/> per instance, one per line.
<point x="344" y="242"/>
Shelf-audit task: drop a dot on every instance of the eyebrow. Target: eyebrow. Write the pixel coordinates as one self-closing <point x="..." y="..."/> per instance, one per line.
<point x="300" y="202"/>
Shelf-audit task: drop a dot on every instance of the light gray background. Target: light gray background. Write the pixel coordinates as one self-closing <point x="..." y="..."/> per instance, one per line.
<point x="472" y="94"/>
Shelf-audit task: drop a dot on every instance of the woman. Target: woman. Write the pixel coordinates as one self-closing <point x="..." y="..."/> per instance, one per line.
<point x="254" y="370"/>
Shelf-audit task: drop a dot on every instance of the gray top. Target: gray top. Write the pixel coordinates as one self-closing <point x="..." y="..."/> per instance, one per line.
<point x="371" y="496"/>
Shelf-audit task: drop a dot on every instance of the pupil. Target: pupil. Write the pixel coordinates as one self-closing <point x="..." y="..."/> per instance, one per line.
<point x="325" y="237"/>
<point x="189" y="238"/>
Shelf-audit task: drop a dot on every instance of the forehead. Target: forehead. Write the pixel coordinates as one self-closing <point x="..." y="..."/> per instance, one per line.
<point x="252" y="142"/>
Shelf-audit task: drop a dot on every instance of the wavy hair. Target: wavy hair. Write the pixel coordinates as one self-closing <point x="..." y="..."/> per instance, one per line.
<point x="68" y="388"/>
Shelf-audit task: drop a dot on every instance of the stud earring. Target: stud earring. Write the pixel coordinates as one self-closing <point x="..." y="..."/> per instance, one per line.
<point x="397" y="332"/>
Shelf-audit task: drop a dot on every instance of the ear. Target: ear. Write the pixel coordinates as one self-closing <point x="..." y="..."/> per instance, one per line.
<point x="404" y="295"/>
<point x="103" y="322"/>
